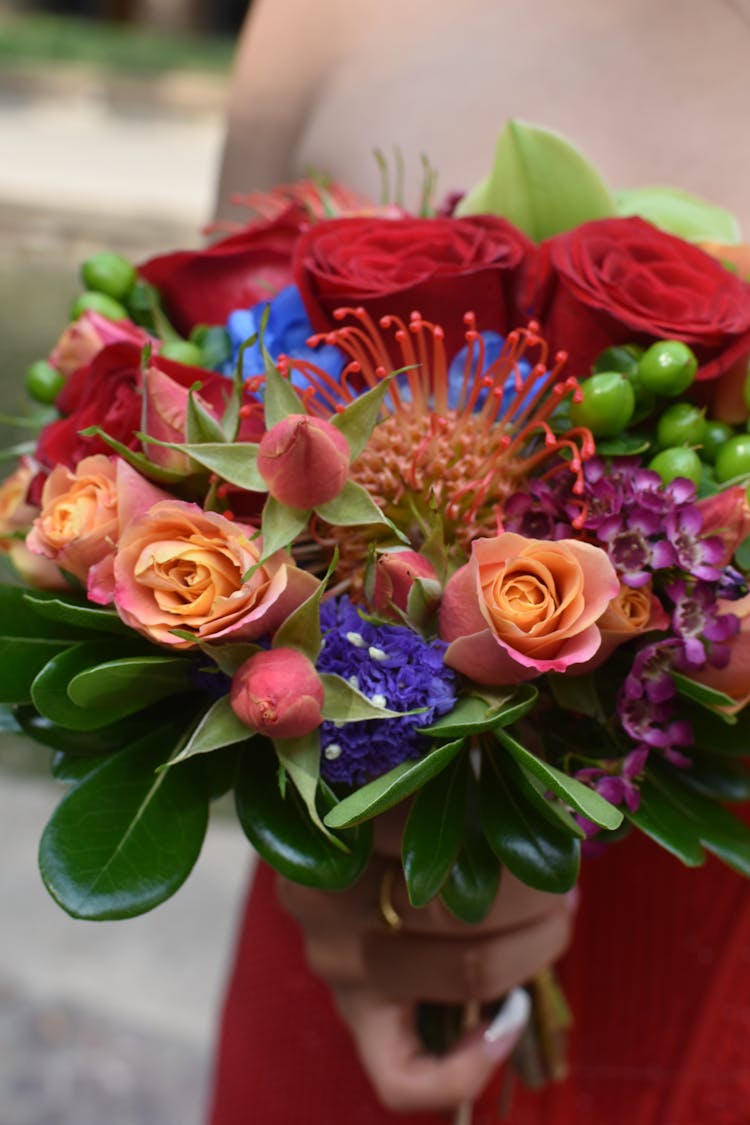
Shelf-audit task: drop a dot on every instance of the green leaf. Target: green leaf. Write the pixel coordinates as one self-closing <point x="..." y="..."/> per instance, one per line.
<point x="280" y="398"/>
<point x="281" y="525"/>
<point x="537" y="793"/>
<point x="719" y="778"/>
<point x="200" y="424"/>
<point x="218" y="727"/>
<point x="344" y="704"/>
<point x="126" y="837"/>
<point x="27" y="643"/>
<point x="701" y="693"/>
<point x="354" y="507"/>
<point x="71" y="769"/>
<point x="76" y="614"/>
<point x="280" y="829"/>
<point x="576" y="693"/>
<point x="235" y="463"/>
<point x="49" y="691"/>
<point x="624" y="445"/>
<point x="472" y="885"/>
<point x="386" y="791"/>
<point x="82" y="743"/>
<point x="540" y="183"/>
<point x="135" y="680"/>
<point x="718" y="830"/>
<point x="357" y="421"/>
<point x="300" y="758"/>
<point x="301" y="629"/>
<point x="536" y="852"/>
<point x="658" y="818"/>
<point x="713" y="733"/>
<point x="472" y="714"/>
<point x="680" y="213"/>
<point x="574" y="793"/>
<point x="433" y="832"/>
<point x="145" y="467"/>
<point x="229" y="657"/>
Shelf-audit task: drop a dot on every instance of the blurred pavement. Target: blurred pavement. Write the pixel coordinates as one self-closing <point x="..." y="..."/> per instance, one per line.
<point x="108" y="1023"/>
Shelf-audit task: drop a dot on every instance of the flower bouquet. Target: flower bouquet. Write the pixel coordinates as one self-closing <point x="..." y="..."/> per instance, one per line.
<point x="358" y="507"/>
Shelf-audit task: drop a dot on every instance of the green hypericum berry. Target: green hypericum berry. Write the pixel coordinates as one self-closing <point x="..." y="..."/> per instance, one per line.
<point x="98" y="302"/>
<point x="109" y="273"/>
<point x="681" y="424"/>
<point x="622" y="357"/>
<point x="183" y="352"/>
<point x="607" y="404"/>
<point x="667" y="368"/>
<point x="714" y="436"/>
<point x="677" y="462"/>
<point x="43" y="381"/>
<point x="733" y="459"/>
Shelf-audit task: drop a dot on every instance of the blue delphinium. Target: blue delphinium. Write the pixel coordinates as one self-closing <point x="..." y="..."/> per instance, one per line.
<point x="395" y="668"/>
<point x="287" y="330"/>
<point x="493" y="347"/>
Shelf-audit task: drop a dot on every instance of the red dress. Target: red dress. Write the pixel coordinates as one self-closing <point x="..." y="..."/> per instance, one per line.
<point x="658" y="978"/>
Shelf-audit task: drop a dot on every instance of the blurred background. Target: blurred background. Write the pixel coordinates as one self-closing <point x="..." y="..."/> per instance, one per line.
<point x="110" y="129"/>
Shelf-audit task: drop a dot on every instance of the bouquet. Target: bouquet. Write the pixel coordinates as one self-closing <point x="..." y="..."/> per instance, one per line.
<point x="359" y="507"/>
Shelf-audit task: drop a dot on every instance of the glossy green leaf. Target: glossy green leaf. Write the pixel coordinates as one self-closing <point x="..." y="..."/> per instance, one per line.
<point x="357" y="421"/>
<point x="472" y="714"/>
<point x="71" y="769"/>
<point x="701" y="693"/>
<point x="680" y="213"/>
<point x="280" y="829"/>
<point x="77" y="614"/>
<point x="229" y="657"/>
<point x="280" y="525"/>
<point x="658" y="818"/>
<point x="83" y="743"/>
<point x="540" y="183"/>
<point x="236" y="464"/>
<point x="217" y="728"/>
<point x="126" y="837"/>
<point x="386" y="791"/>
<point x="344" y="704"/>
<point x="538" y="794"/>
<point x="280" y="397"/>
<point x="433" y="832"/>
<point x="473" y="882"/>
<point x="624" y="445"/>
<point x="300" y="758"/>
<point x="27" y="643"/>
<point x="712" y="732"/>
<point x="136" y="681"/>
<point x="535" y="851"/>
<point x="49" y="691"/>
<point x="718" y="830"/>
<point x="584" y="800"/>
<point x="354" y="507"/>
<point x="719" y="778"/>
<point x="301" y="629"/>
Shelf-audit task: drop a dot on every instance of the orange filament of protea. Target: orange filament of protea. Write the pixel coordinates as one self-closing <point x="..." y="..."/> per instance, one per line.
<point x="444" y="449"/>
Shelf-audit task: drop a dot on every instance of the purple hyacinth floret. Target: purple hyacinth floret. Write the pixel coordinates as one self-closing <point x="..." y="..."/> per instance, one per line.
<point x="395" y="668"/>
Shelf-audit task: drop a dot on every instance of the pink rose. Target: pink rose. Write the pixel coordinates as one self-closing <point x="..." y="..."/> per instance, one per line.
<point x="178" y="567"/>
<point x="85" y="337"/>
<point x="395" y="574"/>
<point x="278" y="693"/>
<point x="521" y="607"/>
<point x="304" y="461"/>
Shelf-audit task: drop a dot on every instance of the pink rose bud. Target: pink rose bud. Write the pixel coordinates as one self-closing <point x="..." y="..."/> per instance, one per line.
<point x="304" y="461"/>
<point x="395" y="574"/>
<point x="278" y="693"/>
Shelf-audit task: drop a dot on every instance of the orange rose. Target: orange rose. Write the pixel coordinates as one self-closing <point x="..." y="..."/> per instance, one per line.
<point x="521" y="607"/>
<point x="16" y="517"/>
<point x="178" y="567"/>
<point x="630" y="613"/>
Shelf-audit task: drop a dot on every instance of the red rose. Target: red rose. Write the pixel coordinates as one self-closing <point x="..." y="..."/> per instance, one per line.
<point x="204" y="286"/>
<point x="440" y="267"/>
<point x="107" y="393"/>
<point x="617" y="281"/>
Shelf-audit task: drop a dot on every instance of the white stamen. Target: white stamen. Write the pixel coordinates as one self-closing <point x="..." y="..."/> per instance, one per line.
<point x="377" y="653"/>
<point x="356" y="639"/>
<point x="332" y="751"/>
<point x="378" y="700"/>
<point x="353" y="682"/>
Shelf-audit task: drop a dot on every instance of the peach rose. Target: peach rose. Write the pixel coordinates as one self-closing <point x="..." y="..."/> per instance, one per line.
<point x="77" y="525"/>
<point x="178" y="567"/>
<point x="16" y="517"/>
<point x="734" y="679"/>
<point x="521" y="607"/>
<point x="630" y="613"/>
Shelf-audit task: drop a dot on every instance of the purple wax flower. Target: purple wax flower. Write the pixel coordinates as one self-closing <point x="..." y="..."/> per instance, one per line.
<point x="395" y="668"/>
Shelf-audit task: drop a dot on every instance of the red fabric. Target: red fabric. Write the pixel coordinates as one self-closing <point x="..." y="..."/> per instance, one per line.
<point x="658" y="978"/>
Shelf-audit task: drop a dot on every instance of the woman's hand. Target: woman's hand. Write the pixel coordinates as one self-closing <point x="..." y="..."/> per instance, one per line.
<point x="378" y="975"/>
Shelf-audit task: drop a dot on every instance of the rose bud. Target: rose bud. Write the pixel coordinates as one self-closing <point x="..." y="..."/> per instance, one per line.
<point x="304" y="461"/>
<point x="278" y="693"/>
<point x="395" y="574"/>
